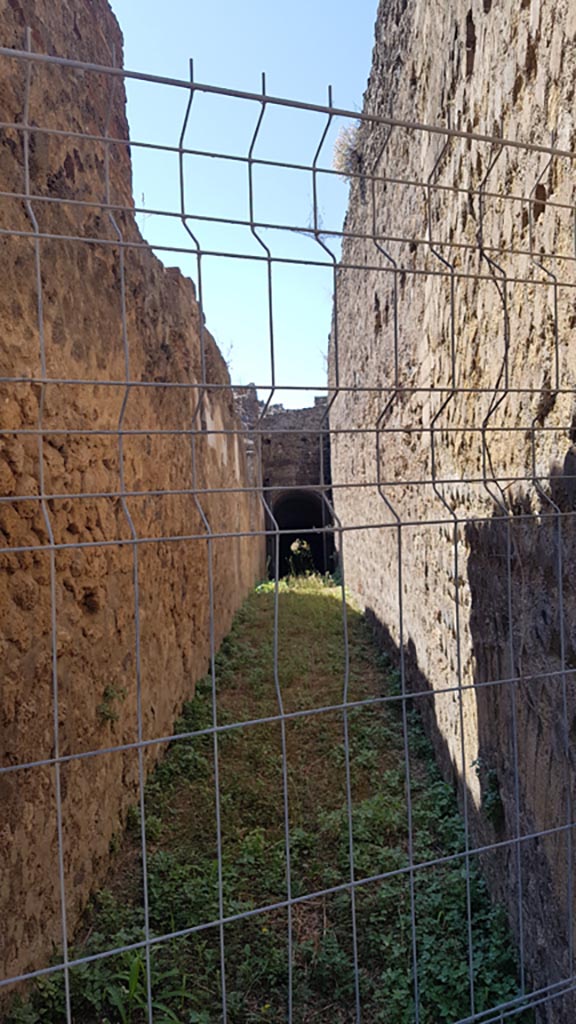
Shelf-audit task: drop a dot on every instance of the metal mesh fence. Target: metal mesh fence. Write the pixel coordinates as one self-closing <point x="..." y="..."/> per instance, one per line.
<point x="440" y="483"/>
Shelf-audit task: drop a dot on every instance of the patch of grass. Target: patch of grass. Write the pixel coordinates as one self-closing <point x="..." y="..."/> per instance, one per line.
<point x="186" y="890"/>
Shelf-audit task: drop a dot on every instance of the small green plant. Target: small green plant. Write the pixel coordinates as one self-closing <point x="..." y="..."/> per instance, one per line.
<point x="133" y="819"/>
<point x="335" y="576"/>
<point x="154" y="826"/>
<point x="492" y="804"/>
<point x="107" y="710"/>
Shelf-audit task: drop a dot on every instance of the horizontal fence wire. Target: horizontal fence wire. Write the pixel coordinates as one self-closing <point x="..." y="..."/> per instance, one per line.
<point x="387" y="434"/>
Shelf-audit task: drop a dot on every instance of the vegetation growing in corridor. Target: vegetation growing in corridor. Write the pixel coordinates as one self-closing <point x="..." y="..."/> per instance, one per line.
<point x="182" y="862"/>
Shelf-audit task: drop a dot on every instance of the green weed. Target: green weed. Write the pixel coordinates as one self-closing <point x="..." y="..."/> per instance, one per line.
<point x="107" y="710"/>
<point x="185" y="885"/>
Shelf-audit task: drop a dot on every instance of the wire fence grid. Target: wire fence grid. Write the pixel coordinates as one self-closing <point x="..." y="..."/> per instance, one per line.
<point x="421" y="447"/>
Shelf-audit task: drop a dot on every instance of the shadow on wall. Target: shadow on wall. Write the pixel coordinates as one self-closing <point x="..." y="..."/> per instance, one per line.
<point x="523" y="627"/>
<point x="523" y="631"/>
<point x="300" y="513"/>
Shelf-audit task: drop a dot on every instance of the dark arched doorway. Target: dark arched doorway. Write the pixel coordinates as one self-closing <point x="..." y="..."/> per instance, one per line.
<point x="299" y="514"/>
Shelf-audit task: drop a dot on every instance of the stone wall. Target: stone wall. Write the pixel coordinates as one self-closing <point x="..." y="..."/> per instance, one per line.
<point x="72" y="681"/>
<point x="293" y="450"/>
<point x="295" y="447"/>
<point x="476" y="585"/>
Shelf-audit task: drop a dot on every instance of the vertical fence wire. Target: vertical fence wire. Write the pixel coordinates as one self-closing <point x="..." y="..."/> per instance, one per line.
<point x="198" y="416"/>
<point x="26" y="123"/>
<point x="386" y="412"/>
<point x="134" y="547"/>
<point x="285" y="780"/>
<point x="538" y="261"/>
<point x="456" y="562"/>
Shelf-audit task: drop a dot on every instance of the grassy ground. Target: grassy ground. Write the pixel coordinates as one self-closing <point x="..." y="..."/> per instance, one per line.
<point x="183" y="864"/>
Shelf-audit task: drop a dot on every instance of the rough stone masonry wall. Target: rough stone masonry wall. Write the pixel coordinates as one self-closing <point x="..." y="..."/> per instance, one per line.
<point x="293" y="444"/>
<point x="482" y="599"/>
<point x="94" y="589"/>
<point x="295" y="449"/>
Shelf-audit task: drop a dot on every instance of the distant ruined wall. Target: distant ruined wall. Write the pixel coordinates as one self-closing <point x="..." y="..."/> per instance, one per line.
<point x="486" y="568"/>
<point x="94" y="671"/>
<point x="292" y="448"/>
<point x="295" y="448"/>
<point x="292" y="444"/>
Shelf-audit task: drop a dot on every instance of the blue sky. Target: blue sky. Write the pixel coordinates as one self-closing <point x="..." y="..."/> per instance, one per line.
<point x="303" y="47"/>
